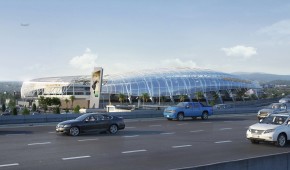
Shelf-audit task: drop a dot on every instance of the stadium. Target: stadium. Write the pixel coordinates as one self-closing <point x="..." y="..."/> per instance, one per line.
<point x="161" y="85"/>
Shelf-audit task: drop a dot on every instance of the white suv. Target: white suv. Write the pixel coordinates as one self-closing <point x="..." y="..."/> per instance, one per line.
<point x="274" y="128"/>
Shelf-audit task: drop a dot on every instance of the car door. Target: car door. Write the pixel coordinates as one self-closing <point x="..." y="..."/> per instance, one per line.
<point x="102" y="124"/>
<point x="188" y="111"/>
<point x="196" y="109"/>
<point x="90" y="124"/>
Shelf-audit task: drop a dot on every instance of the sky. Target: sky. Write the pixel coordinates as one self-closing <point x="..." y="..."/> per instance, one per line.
<point x="51" y="38"/>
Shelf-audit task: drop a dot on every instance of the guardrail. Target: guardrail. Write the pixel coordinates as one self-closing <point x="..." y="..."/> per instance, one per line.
<point x="44" y="118"/>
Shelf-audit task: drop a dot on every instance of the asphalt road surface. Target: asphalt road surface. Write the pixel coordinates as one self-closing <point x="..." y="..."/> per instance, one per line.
<point x="144" y="144"/>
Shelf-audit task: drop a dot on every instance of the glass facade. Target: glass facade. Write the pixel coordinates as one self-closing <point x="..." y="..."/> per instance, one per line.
<point x="156" y="83"/>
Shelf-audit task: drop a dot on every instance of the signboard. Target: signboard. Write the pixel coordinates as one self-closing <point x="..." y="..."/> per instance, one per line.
<point x="96" y="87"/>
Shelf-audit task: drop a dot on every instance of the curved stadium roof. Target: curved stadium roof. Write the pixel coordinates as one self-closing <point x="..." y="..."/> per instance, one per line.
<point x="174" y="81"/>
<point x="158" y="82"/>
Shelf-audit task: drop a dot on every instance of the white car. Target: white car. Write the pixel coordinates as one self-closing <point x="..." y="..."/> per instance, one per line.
<point x="274" y="108"/>
<point x="274" y="128"/>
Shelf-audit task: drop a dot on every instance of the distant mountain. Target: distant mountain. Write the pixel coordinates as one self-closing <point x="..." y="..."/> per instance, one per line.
<point x="10" y="86"/>
<point x="264" y="77"/>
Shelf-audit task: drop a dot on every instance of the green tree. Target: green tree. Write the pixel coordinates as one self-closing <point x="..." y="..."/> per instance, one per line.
<point x="66" y="102"/>
<point x="41" y="102"/>
<point x="57" y="110"/>
<point x="77" y="109"/>
<point x="12" y="103"/>
<point x="3" y="107"/>
<point x="56" y="101"/>
<point x="199" y="95"/>
<point x="34" y="107"/>
<point x="145" y="97"/>
<point x="182" y="98"/>
<point x="72" y="99"/>
<point x="121" y="97"/>
<point x="25" y="111"/>
<point x="14" y="111"/>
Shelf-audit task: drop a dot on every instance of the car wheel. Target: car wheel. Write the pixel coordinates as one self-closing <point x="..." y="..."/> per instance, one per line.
<point x="180" y="116"/>
<point x="74" y="131"/>
<point x="254" y="141"/>
<point x="113" y="129"/>
<point x="281" y="140"/>
<point x="204" y="116"/>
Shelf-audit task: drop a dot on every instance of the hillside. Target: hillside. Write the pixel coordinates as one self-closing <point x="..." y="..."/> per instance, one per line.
<point x="265" y="78"/>
<point x="10" y="86"/>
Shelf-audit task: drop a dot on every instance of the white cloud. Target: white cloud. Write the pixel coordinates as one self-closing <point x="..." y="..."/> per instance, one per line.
<point x="240" y="51"/>
<point x="86" y="61"/>
<point x="178" y="63"/>
<point x="277" y="29"/>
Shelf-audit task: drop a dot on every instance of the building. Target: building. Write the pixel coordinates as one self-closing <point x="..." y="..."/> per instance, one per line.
<point x="164" y="83"/>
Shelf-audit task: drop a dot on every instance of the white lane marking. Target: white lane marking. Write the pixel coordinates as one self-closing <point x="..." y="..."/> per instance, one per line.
<point x="6" y="165"/>
<point x="51" y="132"/>
<point x="180" y="124"/>
<point x="134" y="151"/>
<point x="225" y="128"/>
<point x="78" y="157"/>
<point x="181" y="146"/>
<point x="154" y="125"/>
<point x="43" y="143"/>
<point x="15" y="134"/>
<point x="131" y="136"/>
<point x="226" y="141"/>
<point x="194" y="131"/>
<point x="130" y="127"/>
<point x="83" y="140"/>
<point x="168" y="133"/>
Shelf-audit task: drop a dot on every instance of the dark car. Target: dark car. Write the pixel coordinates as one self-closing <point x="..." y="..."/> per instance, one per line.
<point x="91" y="122"/>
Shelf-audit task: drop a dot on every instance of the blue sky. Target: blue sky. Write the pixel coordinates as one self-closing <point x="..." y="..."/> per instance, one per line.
<point x="69" y="37"/>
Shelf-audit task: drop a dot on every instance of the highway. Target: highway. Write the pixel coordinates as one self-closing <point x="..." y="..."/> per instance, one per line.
<point x="151" y="143"/>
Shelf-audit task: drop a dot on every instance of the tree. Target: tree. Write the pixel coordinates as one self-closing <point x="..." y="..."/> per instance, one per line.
<point x="55" y="101"/>
<point x="12" y="103"/>
<point x="34" y="107"/>
<point x="199" y="95"/>
<point x="145" y="97"/>
<point x="66" y="102"/>
<point x="77" y="109"/>
<point x="3" y="107"/>
<point x="14" y="111"/>
<point x="72" y="98"/>
<point x="121" y="97"/>
<point x="182" y="98"/>
<point x="25" y="111"/>
<point x="57" y="110"/>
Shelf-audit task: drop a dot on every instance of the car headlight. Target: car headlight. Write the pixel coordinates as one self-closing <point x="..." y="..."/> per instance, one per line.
<point x="67" y="126"/>
<point x="249" y="129"/>
<point x="269" y="130"/>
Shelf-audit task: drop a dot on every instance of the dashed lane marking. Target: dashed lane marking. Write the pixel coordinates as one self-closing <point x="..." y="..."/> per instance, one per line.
<point x="7" y="165"/>
<point x="131" y="136"/>
<point x="83" y="140"/>
<point x="78" y="157"/>
<point x="43" y="143"/>
<point x="225" y="128"/>
<point x="154" y="125"/>
<point x="134" y="151"/>
<point x="181" y="146"/>
<point x="167" y="133"/>
<point x="195" y="131"/>
<point x="226" y="141"/>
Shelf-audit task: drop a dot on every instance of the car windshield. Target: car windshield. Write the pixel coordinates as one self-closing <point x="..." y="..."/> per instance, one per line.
<point x="82" y="117"/>
<point x="274" y="106"/>
<point x="276" y="120"/>
<point x="181" y="104"/>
